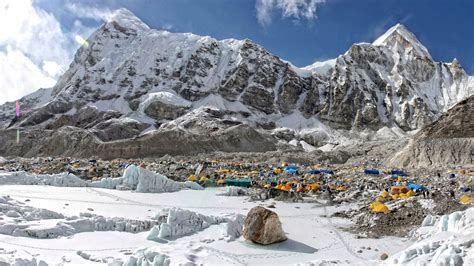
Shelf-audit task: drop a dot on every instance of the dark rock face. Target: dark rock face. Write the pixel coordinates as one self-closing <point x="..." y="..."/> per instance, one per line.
<point x="115" y="130"/>
<point x="259" y="98"/>
<point x="262" y="226"/>
<point x="236" y="84"/>
<point x="86" y="117"/>
<point x="159" y="111"/>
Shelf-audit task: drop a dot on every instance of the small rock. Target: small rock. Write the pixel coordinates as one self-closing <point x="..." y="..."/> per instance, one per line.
<point x="67" y="204"/>
<point x="271" y="206"/>
<point x="359" y="251"/>
<point x="369" y="248"/>
<point x="90" y="209"/>
<point x="27" y="200"/>
<point x="384" y="256"/>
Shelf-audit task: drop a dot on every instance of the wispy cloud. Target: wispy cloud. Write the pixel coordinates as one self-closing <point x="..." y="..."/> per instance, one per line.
<point x="83" y="11"/>
<point x="292" y="9"/>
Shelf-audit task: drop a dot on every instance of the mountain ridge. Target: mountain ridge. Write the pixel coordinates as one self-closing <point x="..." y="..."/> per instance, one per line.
<point x="131" y="80"/>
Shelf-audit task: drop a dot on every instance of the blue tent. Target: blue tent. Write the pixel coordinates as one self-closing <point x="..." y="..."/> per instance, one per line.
<point x="417" y="187"/>
<point x="291" y="169"/>
<point x="398" y="172"/>
<point x="315" y="172"/>
<point x="371" y="172"/>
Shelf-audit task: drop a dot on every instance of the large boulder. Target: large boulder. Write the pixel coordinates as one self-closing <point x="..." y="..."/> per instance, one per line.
<point x="262" y="226"/>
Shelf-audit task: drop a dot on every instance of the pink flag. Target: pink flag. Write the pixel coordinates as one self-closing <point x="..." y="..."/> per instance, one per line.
<point x="17" y="109"/>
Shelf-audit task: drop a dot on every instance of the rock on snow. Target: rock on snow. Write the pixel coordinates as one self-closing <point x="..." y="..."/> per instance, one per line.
<point x="263" y="226"/>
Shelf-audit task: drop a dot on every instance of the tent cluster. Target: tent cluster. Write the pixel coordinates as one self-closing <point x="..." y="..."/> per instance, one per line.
<point x="400" y="190"/>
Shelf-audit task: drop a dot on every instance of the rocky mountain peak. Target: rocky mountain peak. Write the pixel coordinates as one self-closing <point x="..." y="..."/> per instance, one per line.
<point x="399" y="38"/>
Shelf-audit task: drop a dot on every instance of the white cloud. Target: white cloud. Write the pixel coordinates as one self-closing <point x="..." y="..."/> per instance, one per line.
<point x="294" y="9"/>
<point x="34" y="50"/>
<point x="20" y="75"/>
<point x="52" y="68"/>
<point x="102" y="14"/>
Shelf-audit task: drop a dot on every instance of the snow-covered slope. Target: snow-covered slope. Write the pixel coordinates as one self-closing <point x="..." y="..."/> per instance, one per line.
<point x="132" y="80"/>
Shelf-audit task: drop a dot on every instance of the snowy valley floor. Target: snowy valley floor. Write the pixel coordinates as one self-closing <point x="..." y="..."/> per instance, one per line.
<point x="312" y="236"/>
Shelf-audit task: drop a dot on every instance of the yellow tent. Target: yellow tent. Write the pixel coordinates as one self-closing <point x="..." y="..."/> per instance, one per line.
<point x="203" y="179"/>
<point x="379" y="199"/>
<point x="404" y="195"/>
<point x="192" y="178"/>
<point x="221" y="182"/>
<point x="312" y="187"/>
<point x="384" y="194"/>
<point x="379" y="207"/>
<point x="223" y="171"/>
<point x="465" y="199"/>
<point x="341" y="188"/>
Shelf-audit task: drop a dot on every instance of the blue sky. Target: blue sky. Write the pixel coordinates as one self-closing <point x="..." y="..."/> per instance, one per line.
<point x="444" y="27"/>
<point x="38" y="37"/>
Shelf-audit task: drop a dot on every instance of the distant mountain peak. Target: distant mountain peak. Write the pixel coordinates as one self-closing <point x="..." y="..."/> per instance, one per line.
<point x="400" y="36"/>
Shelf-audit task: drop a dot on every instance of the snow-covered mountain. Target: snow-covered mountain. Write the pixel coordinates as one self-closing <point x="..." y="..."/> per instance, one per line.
<point x="132" y="81"/>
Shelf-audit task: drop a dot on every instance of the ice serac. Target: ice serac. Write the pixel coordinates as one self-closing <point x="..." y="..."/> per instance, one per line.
<point x="135" y="91"/>
<point x="443" y="240"/>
